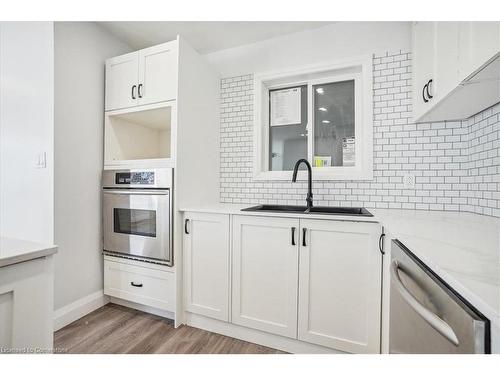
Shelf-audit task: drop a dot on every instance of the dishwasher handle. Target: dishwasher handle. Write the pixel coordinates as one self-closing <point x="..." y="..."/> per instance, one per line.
<point x="434" y="321"/>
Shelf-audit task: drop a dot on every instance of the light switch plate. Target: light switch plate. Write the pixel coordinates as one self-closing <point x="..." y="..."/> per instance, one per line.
<point x="409" y="181"/>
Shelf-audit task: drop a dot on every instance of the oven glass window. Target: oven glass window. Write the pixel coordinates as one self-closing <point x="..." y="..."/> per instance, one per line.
<point x="138" y="222"/>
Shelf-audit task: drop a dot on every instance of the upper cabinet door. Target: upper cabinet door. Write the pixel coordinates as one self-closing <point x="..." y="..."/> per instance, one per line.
<point x="446" y="52"/>
<point x="340" y="285"/>
<point x="158" y="73"/>
<point x="121" y="81"/>
<point x="423" y="45"/>
<point x="206" y="262"/>
<point x="265" y="273"/>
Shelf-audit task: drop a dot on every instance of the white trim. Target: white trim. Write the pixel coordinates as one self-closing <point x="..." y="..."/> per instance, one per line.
<point x="361" y="69"/>
<point x="141" y="108"/>
<point x="255" y="336"/>
<point x="81" y="307"/>
<point x="144" y="308"/>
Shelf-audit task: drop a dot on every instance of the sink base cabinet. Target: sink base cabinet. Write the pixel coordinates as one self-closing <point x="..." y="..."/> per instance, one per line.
<point x="340" y="285"/>
<point x="265" y="274"/>
<point x="304" y="280"/>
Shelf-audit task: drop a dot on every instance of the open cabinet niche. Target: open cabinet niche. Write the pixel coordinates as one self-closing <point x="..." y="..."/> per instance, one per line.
<point x="138" y="136"/>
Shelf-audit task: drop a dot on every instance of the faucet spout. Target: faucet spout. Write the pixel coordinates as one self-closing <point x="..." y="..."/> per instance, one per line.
<point x="309" y="198"/>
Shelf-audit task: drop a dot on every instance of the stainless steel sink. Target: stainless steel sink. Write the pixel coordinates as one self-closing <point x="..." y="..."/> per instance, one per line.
<point x="347" y="211"/>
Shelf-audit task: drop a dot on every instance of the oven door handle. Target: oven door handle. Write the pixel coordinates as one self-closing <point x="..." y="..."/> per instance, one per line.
<point x="434" y="321"/>
<point x="136" y="192"/>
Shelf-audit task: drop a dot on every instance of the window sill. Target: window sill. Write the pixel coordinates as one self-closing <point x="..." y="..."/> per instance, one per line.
<point x="318" y="174"/>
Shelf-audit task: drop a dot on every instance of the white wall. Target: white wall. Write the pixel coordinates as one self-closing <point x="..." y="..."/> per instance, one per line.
<point x="80" y="51"/>
<point x="339" y="40"/>
<point x="26" y="129"/>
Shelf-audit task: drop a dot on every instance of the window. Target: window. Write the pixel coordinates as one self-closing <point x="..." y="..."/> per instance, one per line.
<point x="134" y="221"/>
<point x="334" y="124"/>
<point x="288" y="143"/>
<point x="322" y="114"/>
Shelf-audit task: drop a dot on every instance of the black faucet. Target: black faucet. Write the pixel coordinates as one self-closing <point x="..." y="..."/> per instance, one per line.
<point x="309" y="198"/>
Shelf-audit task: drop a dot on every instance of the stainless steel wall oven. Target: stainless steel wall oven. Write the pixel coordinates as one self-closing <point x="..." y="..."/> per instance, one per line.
<point x="137" y="214"/>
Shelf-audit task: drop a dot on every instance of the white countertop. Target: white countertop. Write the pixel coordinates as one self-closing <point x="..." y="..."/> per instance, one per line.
<point x="14" y="251"/>
<point x="235" y="209"/>
<point x="462" y="248"/>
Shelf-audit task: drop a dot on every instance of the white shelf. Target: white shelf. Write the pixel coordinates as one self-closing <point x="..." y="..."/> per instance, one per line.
<point x="139" y="138"/>
<point x="140" y="164"/>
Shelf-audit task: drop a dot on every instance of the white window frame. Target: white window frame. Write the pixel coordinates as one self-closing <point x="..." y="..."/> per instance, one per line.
<point x="357" y="69"/>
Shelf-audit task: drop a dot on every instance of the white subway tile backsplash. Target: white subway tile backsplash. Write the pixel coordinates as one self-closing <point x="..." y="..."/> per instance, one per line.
<point x="456" y="164"/>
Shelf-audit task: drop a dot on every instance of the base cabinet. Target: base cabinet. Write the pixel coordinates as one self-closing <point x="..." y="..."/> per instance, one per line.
<point x="27" y="306"/>
<point x="340" y="285"/>
<point x="206" y="264"/>
<point x="140" y="282"/>
<point x="265" y="274"/>
<point x="318" y="281"/>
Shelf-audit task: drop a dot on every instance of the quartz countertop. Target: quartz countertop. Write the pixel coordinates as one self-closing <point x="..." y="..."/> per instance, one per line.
<point x="462" y="248"/>
<point x="14" y="251"/>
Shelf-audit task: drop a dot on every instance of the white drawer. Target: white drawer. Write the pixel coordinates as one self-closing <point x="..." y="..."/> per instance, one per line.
<point x="141" y="284"/>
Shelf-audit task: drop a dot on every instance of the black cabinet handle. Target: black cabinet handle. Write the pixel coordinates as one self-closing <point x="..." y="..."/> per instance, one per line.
<point x="139" y="90"/>
<point x="304" y="230"/>
<point x="186" y="226"/>
<point x="424" y="90"/>
<point x="427" y="89"/>
<point x="381" y="243"/>
<point x="293" y="236"/>
<point x="136" y="285"/>
<point x="133" y="92"/>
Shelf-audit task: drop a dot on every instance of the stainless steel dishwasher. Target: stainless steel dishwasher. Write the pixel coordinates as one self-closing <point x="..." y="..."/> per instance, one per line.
<point x="426" y="315"/>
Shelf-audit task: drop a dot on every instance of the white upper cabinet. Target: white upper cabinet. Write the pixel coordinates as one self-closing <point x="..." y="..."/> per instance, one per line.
<point x="157" y="74"/>
<point x="144" y="77"/>
<point x="446" y="59"/>
<point x="479" y="42"/>
<point x="206" y="264"/>
<point x="444" y="55"/>
<point x="423" y="65"/>
<point x="340" y="285"/>
<point x="265" y="274"/>
<point x="121" y="81"/>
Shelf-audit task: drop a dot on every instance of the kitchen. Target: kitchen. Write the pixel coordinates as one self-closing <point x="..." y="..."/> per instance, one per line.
<point x="201" y="187"/>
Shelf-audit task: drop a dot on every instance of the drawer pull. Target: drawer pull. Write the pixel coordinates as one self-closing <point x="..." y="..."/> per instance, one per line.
<point x="136" y="285"/>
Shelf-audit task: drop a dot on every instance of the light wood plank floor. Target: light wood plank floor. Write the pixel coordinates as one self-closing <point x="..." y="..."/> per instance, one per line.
<point x="118" y="329"/>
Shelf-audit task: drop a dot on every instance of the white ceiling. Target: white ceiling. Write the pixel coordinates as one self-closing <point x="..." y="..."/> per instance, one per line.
<point x="204" y="36"/>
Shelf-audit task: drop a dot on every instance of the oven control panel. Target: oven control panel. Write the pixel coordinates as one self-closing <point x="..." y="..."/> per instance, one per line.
<point x="135" y="178"/>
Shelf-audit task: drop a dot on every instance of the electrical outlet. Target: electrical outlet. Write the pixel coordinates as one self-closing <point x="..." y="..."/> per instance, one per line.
<point x="409" y="181"/>
<point x="41" y="160"/>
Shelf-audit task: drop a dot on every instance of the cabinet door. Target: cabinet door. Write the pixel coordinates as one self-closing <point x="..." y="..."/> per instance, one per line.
<point x="479" y="42"/>
<point x="340" y="285"/>
<point x="158" y="73"/>
<point x="121" y="81"/>
<point x="265" y="274"/>
<point x="206" y="264"/>
<point x="423" y="64"/>
<point x="446" y="68"/>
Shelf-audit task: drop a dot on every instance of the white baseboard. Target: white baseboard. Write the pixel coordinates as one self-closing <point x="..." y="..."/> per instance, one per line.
<point x="138" y="306"/>
<point x="255" y="336"/>
<point x="81" y="307"/>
